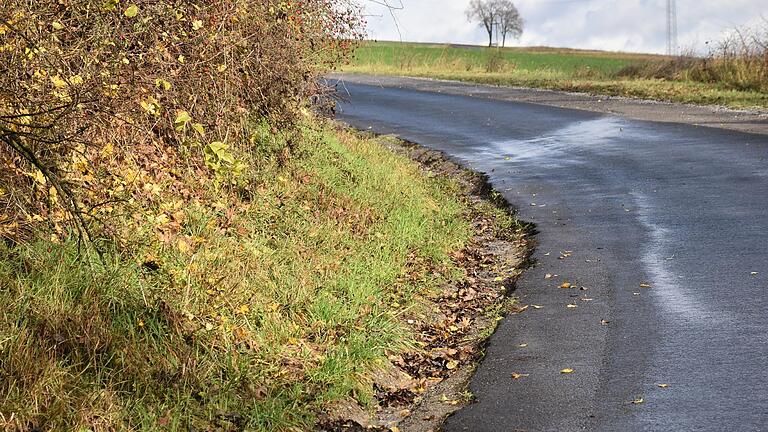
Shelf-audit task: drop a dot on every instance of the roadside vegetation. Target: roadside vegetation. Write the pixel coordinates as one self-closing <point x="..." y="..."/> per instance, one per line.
<point x="739" y="62"/>
<point x="732" y="76"/>
<point x="236" y="311"/>
<point x="185" y="246"/>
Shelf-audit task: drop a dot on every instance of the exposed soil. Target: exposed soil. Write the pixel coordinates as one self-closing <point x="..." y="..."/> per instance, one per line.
<point x="750" y="121"/>
<point x="418" y="389"/>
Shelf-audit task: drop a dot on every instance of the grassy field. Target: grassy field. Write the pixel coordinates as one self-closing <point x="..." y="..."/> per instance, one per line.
<point x="266" y="310"/>
<point x="551" y="68"/>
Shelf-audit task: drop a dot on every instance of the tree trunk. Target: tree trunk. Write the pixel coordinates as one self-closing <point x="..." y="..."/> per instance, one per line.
<point x="504" y="40"/>
<point x="490" y="38"/>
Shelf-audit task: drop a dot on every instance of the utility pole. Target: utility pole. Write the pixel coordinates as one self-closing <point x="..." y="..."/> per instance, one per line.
<point x="672" y="42"/>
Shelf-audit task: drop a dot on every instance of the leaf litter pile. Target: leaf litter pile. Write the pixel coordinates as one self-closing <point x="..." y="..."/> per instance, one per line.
<point x="422" y="386"/>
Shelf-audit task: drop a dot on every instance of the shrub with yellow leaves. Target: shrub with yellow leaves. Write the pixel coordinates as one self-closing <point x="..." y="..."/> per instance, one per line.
<point x="90" y="90"/>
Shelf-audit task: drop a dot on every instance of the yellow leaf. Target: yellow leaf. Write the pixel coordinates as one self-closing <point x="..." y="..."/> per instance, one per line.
<point x="453" y="364"/>
<point x="566" y="285"/>
<point x="76" y="80"/>
<point x="53" y="195"/>
<point x="151" y="106"/>
<point x="107" y="151"/>
<point x="566" y="371"/>
<point x="519" y="375"/>
<point x="57" y="25"/>
<point x="58" y="82"/>
<point x="161" y="83"/>
<point x="197" y="25"/>
<point x="199" y="129"/>
<point x="183" y="246"/>
<point x="571" y="306"/>
<point x="662" y="385"/>
<point x="645" y="285"/>
<point x="638" y="401"/>
<point x="182" y="118"/>
<point x="182" y="59"/>
<point x="132" y="11"/>
<point x="244" y="309"/>
<point x="38" y="176"/>
<point x="221" y="67"/>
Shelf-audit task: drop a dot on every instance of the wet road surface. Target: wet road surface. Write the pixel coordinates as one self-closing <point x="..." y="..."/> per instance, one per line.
<point x="618" y="204"/>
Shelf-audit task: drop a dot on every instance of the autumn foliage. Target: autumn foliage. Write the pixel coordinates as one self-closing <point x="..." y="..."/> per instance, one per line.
<point x="108" y="102"/>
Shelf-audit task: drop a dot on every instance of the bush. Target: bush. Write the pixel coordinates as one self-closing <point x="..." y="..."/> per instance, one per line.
<point x="87" y="88"/>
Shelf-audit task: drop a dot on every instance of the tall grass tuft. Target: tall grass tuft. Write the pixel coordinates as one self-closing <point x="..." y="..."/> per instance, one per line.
<point x="738" y="62"/>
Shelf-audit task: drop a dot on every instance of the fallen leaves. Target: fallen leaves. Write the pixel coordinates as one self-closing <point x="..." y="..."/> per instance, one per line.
<point x="645" y="285"/>
<point x="662" y="386"/>
<point x="566" y="371"/>
<point x="566" y="285"/>
<point x="517" y="376"/>
<point x="638" y="401"/>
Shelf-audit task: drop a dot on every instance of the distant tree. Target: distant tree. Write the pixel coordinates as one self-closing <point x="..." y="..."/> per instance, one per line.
<point x="508" y="19"/>
<point x="484" y="12"/>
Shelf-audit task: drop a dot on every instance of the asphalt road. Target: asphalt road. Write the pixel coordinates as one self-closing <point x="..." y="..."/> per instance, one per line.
<point x="618" y="203"/>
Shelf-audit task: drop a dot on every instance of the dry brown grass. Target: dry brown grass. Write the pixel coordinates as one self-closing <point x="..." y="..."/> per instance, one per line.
<point x="739" y="62"/>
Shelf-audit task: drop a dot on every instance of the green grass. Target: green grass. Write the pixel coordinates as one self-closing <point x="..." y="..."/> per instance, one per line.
<point x="557" y="69"/>
<point x="281" y="303"/>
<point x="406" y="56"/>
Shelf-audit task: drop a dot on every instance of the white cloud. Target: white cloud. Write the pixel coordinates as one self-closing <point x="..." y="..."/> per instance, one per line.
<point x="620" y="25"/>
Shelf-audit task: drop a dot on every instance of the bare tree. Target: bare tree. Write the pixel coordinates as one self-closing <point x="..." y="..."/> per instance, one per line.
<point x="509" y="20"/>
<point x="485" y="13"/>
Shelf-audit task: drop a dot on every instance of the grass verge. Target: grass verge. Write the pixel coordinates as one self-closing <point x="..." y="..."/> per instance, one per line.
<point x="556" y="69"/>
<point x="267" y="310"/>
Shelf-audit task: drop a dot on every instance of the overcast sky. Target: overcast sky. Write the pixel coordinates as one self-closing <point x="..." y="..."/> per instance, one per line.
<point x="618" y="25"/>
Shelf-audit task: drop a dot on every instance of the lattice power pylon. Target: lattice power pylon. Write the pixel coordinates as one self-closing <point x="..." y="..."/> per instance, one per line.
<point x="672" y="42"/>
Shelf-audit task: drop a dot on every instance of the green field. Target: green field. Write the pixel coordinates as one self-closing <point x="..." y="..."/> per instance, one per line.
<point x="551" y="68"/>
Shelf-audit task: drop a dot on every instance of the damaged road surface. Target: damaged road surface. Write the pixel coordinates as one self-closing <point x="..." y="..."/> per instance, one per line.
<point x="649" y="296"/>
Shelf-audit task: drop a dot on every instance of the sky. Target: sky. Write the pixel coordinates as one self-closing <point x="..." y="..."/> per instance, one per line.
<point x="615" y="25"/>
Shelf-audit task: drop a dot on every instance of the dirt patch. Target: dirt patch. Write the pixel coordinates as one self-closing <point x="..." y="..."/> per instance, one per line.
<point x="418" y="389"/>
